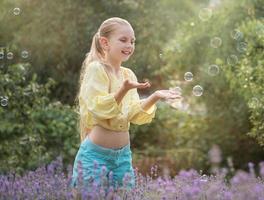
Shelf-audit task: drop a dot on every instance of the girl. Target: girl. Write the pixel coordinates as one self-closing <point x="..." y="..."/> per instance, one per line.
<point x="108" y="103"/>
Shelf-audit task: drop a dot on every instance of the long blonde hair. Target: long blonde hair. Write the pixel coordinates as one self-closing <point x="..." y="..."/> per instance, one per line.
<point x="96" y="53"/>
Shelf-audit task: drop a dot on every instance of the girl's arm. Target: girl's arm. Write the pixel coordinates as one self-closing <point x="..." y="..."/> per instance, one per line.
<point x="126" y="86"/>
<point x="157" y="95"/>
<point x="119" y="95"/>
<point x="150" y="101"/>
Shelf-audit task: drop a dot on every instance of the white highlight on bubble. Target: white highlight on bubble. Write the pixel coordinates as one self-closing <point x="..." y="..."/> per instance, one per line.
<point x="232" y="60"/>
<point x="241" y="47"/>
<point x="3" y="101"/>
<point x="17" y="11"/>
<point x="197" y="90"/>
<point x="24" y="54"/>
<point x="176" y="89"/>
<point x="213" y="70"/>
<point x="188" y="76"/>
<point x="236" y="34"/>
<point x="216" y="42"/>
<point x="205" y="14"/>
<point x="10" y="55"/>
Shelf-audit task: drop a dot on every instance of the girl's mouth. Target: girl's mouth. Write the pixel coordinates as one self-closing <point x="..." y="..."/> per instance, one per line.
<point x="126" y="52"/>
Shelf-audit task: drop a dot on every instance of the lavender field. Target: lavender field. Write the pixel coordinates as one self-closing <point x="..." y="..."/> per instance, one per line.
<point x="51" y="182"/>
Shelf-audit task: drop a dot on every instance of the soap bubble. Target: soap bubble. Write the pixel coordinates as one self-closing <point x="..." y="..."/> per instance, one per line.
<point x="205" y="14"/>
<point x="16" y="11"/>
<point x="180" y="105"/>
<point x="236" y="34"/>
<point x="176" y="89"/>
<point x="232" y="60"/>
<point x="216" y="42"/>
<point x="2" y="55"/>
<point x="24" y="54"/>
<point x="10" y="55"/>
<point x="4" y="101"/>
<point x="241" y="47"/>
<point x="188" y="76"/>
<point x="197" y="90"/>
<point x="213" y="70"/>
<point x="192" y="24"/>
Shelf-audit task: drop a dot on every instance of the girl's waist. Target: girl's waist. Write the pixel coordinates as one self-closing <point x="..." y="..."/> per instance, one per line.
<point x="108" y="138"/>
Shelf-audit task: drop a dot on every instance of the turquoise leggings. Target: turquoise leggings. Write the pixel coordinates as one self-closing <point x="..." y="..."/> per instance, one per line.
<point x="103" y="166"/>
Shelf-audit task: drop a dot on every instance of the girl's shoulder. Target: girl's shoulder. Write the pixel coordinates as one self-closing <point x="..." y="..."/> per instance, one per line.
<point x="95" y="64"/>
<point x="96" y="68"/>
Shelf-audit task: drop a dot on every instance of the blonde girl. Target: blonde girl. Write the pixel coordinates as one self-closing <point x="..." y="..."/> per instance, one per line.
<point x="108" y="103"/>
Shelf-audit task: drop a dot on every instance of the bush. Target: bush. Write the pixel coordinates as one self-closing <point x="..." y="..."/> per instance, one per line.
<point x="33" y="130"/>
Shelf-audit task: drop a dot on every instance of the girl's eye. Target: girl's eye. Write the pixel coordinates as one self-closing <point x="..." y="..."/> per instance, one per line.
<point x="124" y="40"/>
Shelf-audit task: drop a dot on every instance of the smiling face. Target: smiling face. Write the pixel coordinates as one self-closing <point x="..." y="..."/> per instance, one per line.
<point x="121" y="43"/>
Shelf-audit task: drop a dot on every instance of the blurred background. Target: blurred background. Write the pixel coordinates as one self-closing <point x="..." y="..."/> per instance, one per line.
<point x="210" y="50"/>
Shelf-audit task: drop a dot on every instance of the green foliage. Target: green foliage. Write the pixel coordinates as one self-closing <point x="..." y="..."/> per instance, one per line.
<point x="249" y="75"/>
<point x="33" y="130"/>
<point x="221" y="115"/>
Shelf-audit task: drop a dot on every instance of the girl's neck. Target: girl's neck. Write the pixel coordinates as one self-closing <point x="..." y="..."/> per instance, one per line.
<point x="115" y="64"/>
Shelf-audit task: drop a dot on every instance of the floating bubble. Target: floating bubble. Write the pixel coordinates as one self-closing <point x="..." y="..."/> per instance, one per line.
<point x="205" y="14"/>
<point x="232" y="60"/>
<point x="24" y="54"/>
<point x="177" y="89"/>
<point x="213" y="70"/>
<point x="241" y="47"/>
<point x="10" y="55"/>
<point x="16" y="11"/>
<point x="216" y="42"/>
<point x="4" y="101"/>
<point x="188" y="76"/>
<point x="2" y="55"/>
<point x="197" y="90"/>
<point x="192" y="24"/>
<point x="236" y="34"/>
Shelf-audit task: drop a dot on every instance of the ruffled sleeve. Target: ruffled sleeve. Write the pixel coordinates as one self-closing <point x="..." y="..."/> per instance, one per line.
<point x="94" y="93"/>
<point x="136" y="114"/>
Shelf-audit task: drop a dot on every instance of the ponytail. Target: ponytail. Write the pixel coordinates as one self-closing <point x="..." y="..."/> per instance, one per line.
<point x="96" y="53"/>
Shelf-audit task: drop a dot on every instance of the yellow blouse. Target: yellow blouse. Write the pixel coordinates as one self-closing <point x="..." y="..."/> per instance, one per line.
<point x="99" y="107"/>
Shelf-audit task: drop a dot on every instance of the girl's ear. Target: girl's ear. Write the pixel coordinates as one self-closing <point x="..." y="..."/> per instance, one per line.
<point x="104" y="43"/>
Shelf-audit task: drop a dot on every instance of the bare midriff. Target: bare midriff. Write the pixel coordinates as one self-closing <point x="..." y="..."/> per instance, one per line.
<point x="108" y="138"/>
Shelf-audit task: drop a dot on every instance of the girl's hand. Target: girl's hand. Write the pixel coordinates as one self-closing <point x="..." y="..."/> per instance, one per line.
<point x="128" y="84"/>
<point x="168" y="94"/>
